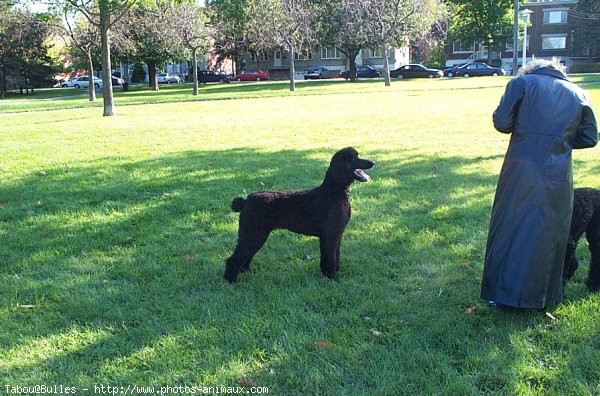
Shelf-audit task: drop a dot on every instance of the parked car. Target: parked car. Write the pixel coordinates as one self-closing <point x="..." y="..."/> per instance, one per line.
<point x="67" y="83"/>
<point x="82" y="82"/>
<point x="477" y="69"/>
<point x="205" y="76"/>
<point x="316" y="72"/>
<point x="451" y="71"/>
<point x="166" y="78"/>
<point x="252" y="75"/>
<point x="415" y="71"/>
<point x="116" y="80"/>
<point x="362" y="71"/>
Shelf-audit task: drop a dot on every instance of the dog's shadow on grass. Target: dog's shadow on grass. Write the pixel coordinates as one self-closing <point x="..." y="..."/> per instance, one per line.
<point x="122" y="262"/>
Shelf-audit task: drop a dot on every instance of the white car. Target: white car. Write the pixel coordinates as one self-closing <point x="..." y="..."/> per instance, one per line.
<point x="83" y="82"/>
<point x="67" y="83"/>
<point x="166" y="78"/>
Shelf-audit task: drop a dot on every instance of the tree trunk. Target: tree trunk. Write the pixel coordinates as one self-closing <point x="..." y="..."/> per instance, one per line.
<point x="195" y="71"/>
<point x="90" y="71"/>
<point x="351" y="55"/>
<point x="152" y="76"/>
<point x="292" y="70"/>
<point x="3" y="84"/>
<point x="125" y="77"/>
<point x="386" y="65"/>
<point x="107" y="92"/>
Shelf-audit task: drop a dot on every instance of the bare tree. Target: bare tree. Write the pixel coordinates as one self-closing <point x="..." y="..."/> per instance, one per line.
<point x="104" y="14"/>
<point x="193" y="31"/>
<point x="294" y="22"/>
<point x="395" y="22"/>
<point x="85" y="37"/>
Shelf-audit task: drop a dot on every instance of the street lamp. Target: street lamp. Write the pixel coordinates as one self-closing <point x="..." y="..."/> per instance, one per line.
<point x="525" y="13"/>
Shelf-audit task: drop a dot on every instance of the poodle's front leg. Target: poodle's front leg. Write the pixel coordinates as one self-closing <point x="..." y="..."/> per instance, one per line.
<point x="593" y="238"/>
<point x="329" y="253"/>
<point x="337" y="255"/>
<point x="571" y="262"/>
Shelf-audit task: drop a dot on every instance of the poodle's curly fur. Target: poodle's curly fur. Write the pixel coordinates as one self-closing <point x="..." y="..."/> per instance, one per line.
<point x="586" y="219"/>
<point x="323" y="212"/>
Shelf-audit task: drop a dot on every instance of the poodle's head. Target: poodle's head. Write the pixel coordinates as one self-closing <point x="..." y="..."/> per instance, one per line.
<point x="346" y="166"/>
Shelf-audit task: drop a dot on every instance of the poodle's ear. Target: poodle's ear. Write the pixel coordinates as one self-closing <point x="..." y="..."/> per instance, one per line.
<point x="339" y="171"/>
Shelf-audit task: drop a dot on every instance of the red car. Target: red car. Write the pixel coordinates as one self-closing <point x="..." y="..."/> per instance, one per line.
<point x="252" y="75"/>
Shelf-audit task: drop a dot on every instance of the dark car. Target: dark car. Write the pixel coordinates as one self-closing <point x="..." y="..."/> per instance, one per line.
<point x="205" y="76"/>
<point x="451" y="71"/>
<point x="477" y="69"/>
<point x="316" y="72"/>
<point x="415" y="71"/>
<point x="362" y="71"/>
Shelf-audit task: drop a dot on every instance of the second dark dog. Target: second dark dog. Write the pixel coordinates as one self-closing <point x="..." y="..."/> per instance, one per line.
<point x="322" y="212"/>
<point x="585" y="219"/>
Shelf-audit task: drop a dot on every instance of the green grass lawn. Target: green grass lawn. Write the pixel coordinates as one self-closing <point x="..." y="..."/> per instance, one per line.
<point x="114" y="232"/>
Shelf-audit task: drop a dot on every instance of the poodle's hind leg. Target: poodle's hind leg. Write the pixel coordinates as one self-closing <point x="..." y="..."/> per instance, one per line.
<point x="247" y="246"/>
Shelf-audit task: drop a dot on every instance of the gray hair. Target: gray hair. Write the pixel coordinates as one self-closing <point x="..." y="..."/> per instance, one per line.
<point x="553" y="63"/>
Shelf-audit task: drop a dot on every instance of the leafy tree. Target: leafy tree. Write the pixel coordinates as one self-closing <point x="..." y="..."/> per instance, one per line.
<point x="229" y="19"/>
<point x="24" y="47"/>
<point x="344" y="25"/>
<point x="586" y="22"/>
<point x="480" y="21"/>
<point x="259" y="34"/>
<point x="155" y="36"/>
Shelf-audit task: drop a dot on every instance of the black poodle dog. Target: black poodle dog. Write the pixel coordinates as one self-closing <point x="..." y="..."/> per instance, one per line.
<point x="323" y="212"/>
<point x="586" y="219"/>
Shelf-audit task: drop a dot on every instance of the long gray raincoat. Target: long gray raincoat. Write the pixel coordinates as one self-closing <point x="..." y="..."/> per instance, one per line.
<point x="548" y="116"/>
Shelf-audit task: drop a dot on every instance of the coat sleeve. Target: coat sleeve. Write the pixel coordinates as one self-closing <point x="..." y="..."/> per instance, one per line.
<point x="506" y="113"/>
<point x="587" y="131"/>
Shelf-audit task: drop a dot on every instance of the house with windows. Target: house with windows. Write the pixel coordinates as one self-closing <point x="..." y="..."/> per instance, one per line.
<point x="550" y="33"/>
<point x="276" y="62"/>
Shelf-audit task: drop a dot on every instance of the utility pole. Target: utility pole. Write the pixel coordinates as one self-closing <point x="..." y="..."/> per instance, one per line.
<point x="515" y="36"/>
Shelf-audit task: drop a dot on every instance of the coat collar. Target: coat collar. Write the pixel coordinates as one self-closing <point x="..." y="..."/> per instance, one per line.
<point x="548" y="71"/>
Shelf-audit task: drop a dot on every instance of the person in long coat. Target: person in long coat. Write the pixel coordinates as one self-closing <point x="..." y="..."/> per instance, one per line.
<point x="548" y="116"/>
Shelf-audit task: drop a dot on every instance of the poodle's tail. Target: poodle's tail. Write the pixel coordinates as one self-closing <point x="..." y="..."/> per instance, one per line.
<point x="238" y="204"/>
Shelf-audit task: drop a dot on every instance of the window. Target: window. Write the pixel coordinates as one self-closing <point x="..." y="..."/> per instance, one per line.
<point x="554" y="41"/>
<point x="555" y="16"/>
<point x="457" y="46"/>
<point x="263" y="56"/>
<point x="375" y="53"/>
<point x="509" y="44"/>
<point x="304" y="55"/>
<point x="330" y="53"/>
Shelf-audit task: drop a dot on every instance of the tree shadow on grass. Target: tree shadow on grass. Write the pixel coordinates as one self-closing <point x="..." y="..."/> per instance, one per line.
<point x="113" y="272"/>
